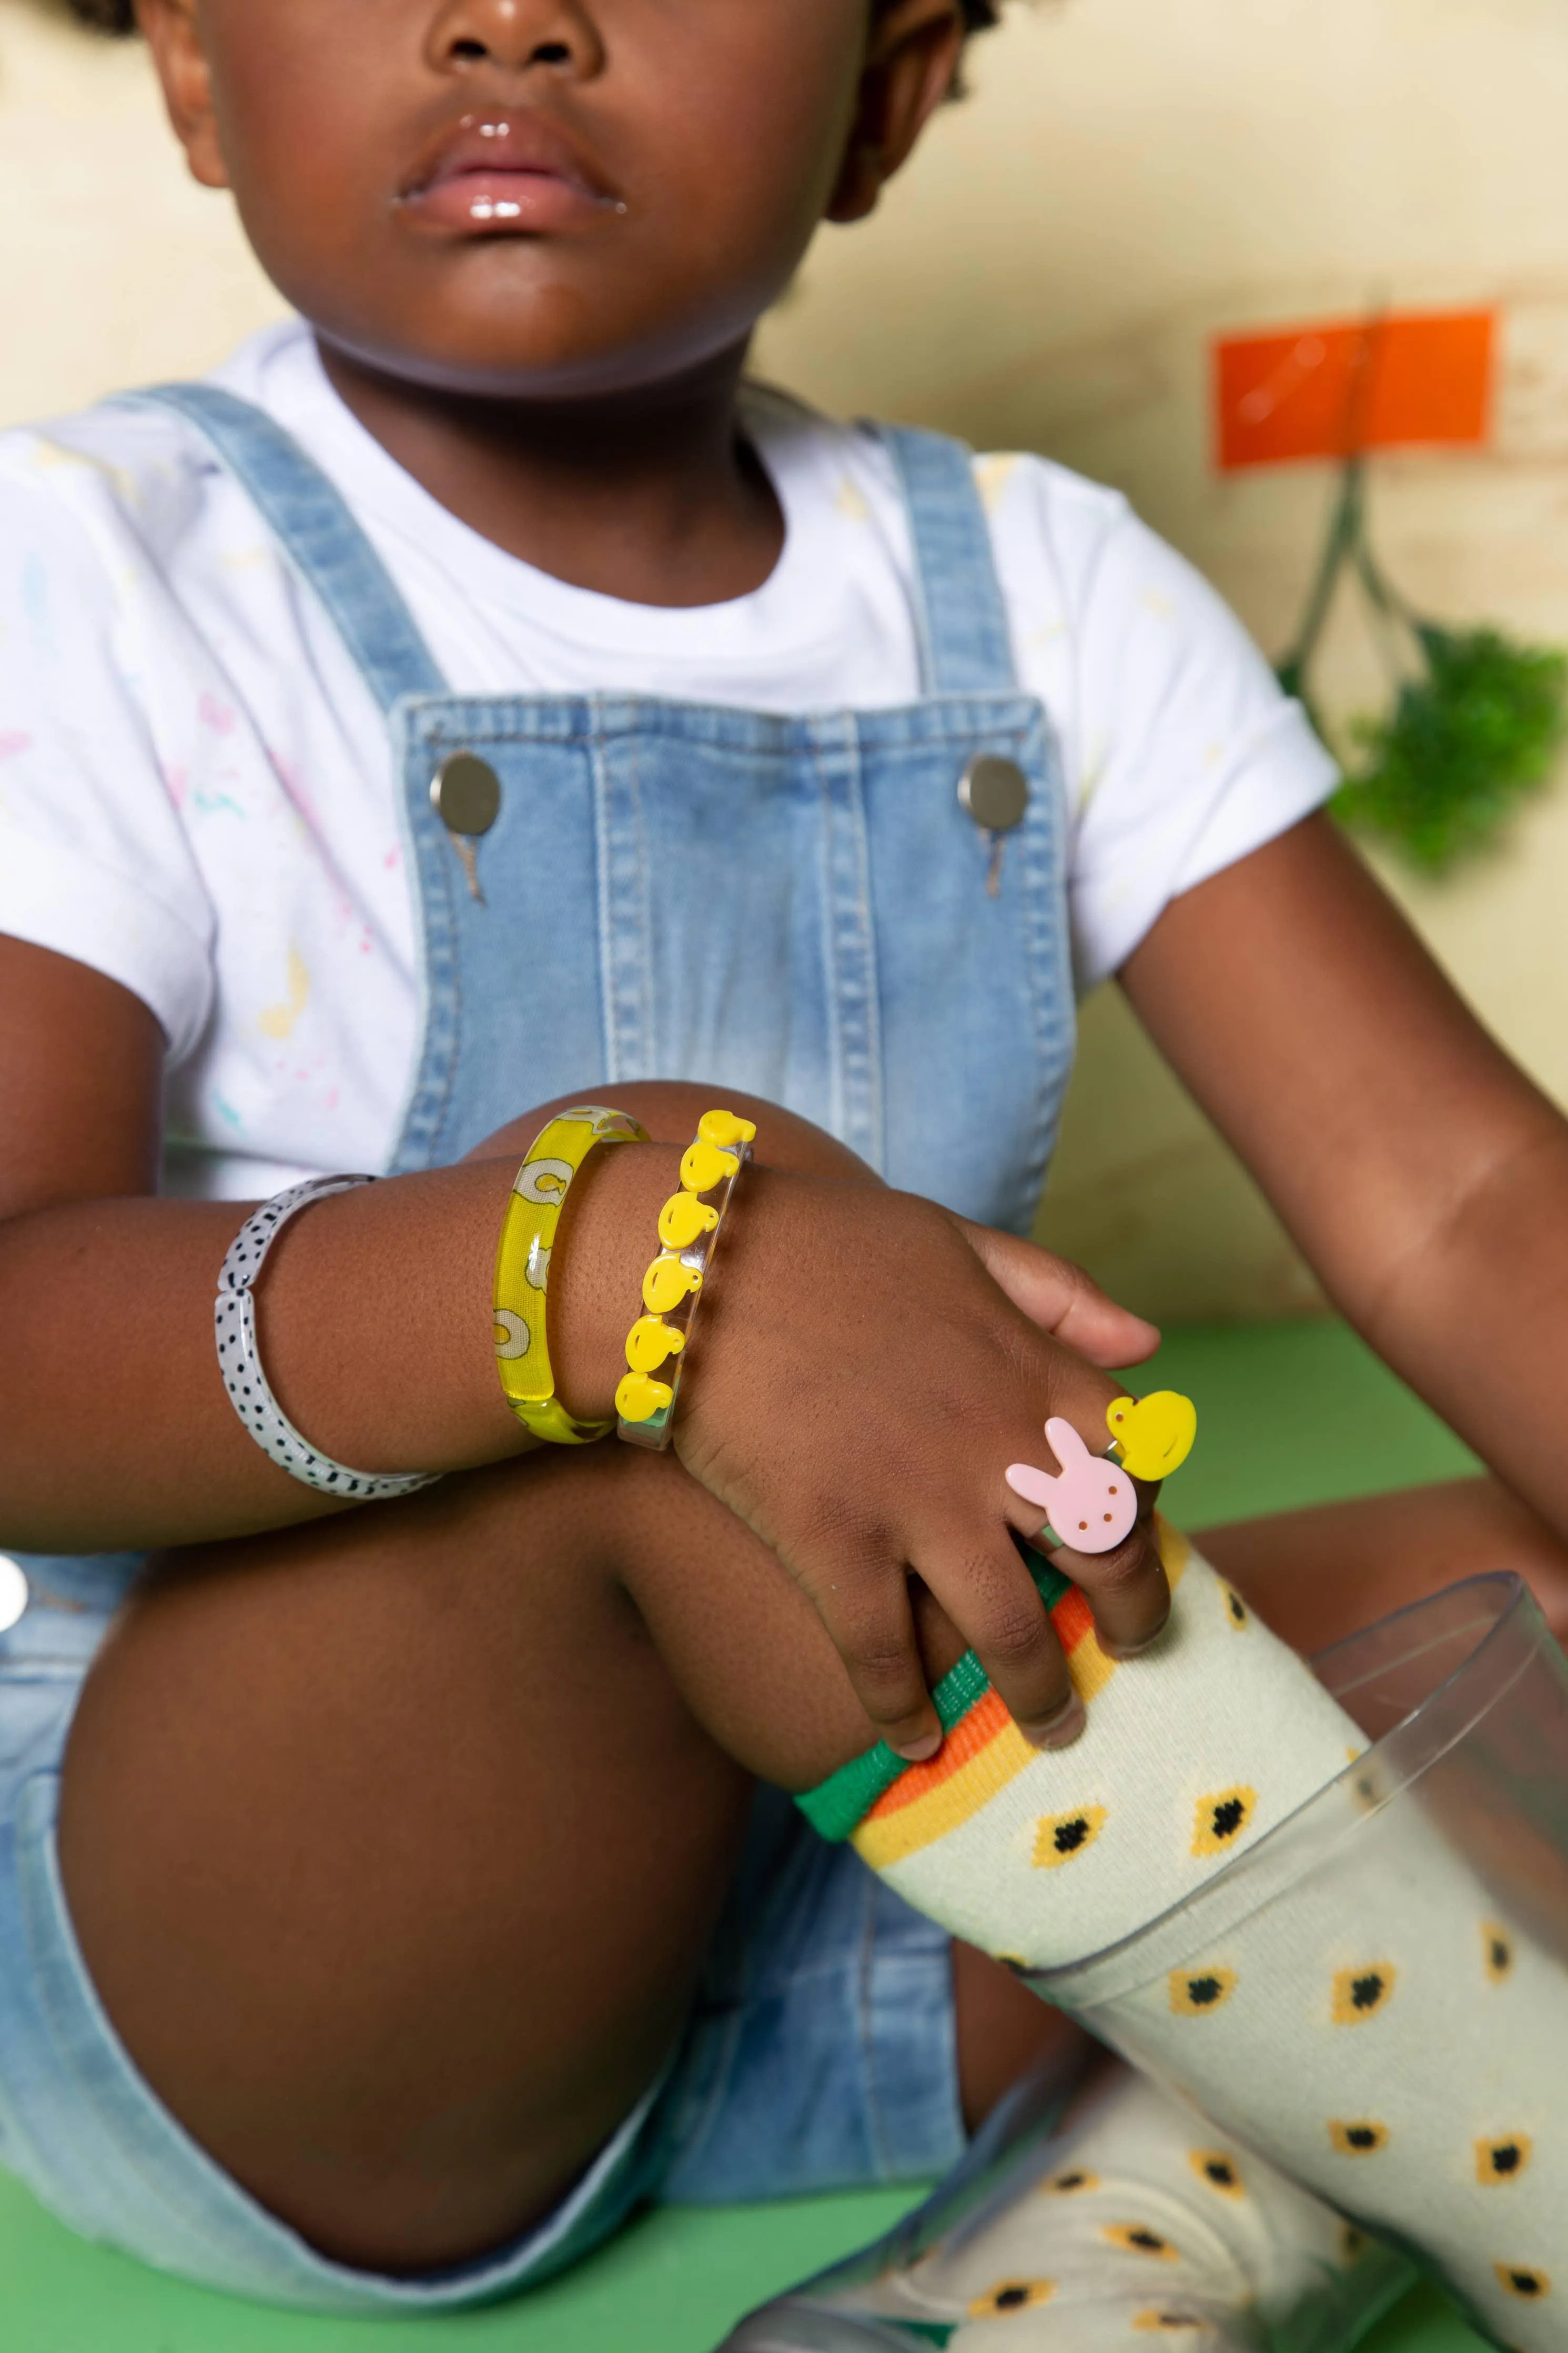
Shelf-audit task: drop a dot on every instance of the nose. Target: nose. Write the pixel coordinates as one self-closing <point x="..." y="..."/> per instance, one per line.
<point x="516" y="36"/>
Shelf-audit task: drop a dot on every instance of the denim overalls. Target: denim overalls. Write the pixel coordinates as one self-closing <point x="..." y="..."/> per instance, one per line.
<point x="793" y="907"/>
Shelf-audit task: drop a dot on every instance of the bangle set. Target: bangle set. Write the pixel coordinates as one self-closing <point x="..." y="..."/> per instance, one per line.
<point x="688" y="1228"/>
<point x="522" y="1267"/>
<point x="239" y="1356"/>
<point x="1090" y="1502"/>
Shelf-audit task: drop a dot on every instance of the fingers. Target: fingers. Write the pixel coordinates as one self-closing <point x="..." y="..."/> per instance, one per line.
<point x="875" y="1639"/>
<point x="1127" y="1591"/>
<point x="992" y="1600"/>
<point x="1062" y="1299"/>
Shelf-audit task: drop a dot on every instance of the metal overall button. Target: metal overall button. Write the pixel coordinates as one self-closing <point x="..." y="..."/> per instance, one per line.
<point x="465" y="792"/>
<point x="994" y="792"/>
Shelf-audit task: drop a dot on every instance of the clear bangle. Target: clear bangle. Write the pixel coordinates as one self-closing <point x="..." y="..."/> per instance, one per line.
<point x="239" y="1357"/>
<point x="688" y="1228"/>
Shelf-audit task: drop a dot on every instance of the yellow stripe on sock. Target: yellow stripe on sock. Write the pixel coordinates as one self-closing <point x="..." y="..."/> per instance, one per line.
<point x="985" y="1750"/>
<point x="884" y="1839"/>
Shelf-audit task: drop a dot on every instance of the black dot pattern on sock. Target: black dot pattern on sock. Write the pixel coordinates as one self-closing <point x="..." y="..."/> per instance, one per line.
<point x="1011" y="2295"/>
<point x="1361" y="2137"/>
<point x="1498" y="1952"/>
<point x="1523" y="2281"/>
<point x="1500" y="2161"/>
<point x="1062" y="1838"/>
<point x="1167" y="2322"/>
<point x="1142" y="2239"/>
<point x="1221" y="1819"/>
<point x="1236" y="1609"/>
<point x="1195" y="1992"/>
<point x="1220" y="2171"/>
<point x="1359" y="1994"/>
<point x="1068" y="2184"/>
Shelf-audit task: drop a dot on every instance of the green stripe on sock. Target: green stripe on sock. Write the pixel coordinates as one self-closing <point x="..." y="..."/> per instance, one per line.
<point x="837" y="1807"/>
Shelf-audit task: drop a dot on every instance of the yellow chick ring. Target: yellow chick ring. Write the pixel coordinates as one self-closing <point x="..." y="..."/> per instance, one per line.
<point x="1154" y="1434"/>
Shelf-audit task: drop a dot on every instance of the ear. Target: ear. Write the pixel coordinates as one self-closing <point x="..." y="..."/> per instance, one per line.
<point x="912" y="62"/>
<point x="170" y="29"/>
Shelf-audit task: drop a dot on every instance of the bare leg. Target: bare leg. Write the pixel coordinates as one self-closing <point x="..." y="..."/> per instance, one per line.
<point x="393" y="1843"/>
<point x="1317" y="1576"/>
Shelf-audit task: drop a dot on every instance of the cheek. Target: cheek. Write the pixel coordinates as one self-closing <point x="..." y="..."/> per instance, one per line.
<point x="307" y="94"/>
<point x="739" y="144"/>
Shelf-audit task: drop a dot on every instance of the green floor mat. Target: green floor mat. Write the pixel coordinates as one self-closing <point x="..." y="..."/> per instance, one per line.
<point x="1291" y="1414"/>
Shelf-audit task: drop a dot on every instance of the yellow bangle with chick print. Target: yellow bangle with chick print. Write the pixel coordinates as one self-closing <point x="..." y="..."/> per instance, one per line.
<point x="522" y="1267"/>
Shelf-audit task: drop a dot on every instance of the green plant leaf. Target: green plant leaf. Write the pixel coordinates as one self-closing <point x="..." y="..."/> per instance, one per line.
<point x="1464" y="745"/>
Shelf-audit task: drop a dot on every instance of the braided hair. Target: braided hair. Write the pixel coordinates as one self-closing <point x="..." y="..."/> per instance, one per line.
<point x="119" y="16"/>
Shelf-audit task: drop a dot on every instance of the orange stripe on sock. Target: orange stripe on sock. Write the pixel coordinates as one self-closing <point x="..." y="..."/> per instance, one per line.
<point x="985" y="1721"/>
<point x="885" y="1839"/>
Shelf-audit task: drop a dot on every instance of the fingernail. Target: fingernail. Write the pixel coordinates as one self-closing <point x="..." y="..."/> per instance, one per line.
<point x="921" y="1752"/>
<point x="1060" y="1730"/>
<point x="1121" y="1651"/>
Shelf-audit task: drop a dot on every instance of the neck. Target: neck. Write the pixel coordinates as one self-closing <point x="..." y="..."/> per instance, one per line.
<point x="653" y="498"/>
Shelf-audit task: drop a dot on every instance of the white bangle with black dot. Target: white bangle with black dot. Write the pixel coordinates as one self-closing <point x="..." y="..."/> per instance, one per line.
<point x="239" y="1357"/>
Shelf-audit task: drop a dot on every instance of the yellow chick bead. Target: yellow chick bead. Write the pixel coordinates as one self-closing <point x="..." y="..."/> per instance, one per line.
<point x="666" y="1284"/>
<point x="724" y="1128"/>
<point x="650" y="1342"/>
<point x="1154" y="1433"/>
<point x="639" y="1398"/>
<point x="704" y="1166"/>
<point x="682" y="1219"/>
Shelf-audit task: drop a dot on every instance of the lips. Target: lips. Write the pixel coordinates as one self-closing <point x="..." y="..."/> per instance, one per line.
<point x="515" y="174"/>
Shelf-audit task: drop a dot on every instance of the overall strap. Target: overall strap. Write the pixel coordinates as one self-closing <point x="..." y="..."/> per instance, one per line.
<point x="312" y="522"/>
<point x="965" y="644"/>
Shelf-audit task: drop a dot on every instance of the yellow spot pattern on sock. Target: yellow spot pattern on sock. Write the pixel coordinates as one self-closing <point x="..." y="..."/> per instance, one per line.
<point x="1519" y="2279"/>
<point x="1168" y="2322"/>
<point x="1142" y="2239"/>
<point x="1359" y="1993"/>
<point x="1236" y="1609"/>
<point x="1221" y="1819"/>
<point x="1361" y="2137"/>
<point x="1011" y="2295"/>
<point x="1194" y="1992"/>
<point x="1497" y="1952"/>
<point x="1219" y="2170"/>
<point x="1062" y="1838"/>
<point x="1503" y="2160"/>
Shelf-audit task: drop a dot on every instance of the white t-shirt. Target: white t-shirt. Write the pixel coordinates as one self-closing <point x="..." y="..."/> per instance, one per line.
<point x="197" y="789"/>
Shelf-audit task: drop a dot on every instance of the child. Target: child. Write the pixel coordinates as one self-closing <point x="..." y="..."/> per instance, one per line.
<point x="478" y="698"/>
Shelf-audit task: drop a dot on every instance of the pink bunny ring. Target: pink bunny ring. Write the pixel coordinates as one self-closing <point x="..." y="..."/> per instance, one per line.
<point x="1090" y="1505"/>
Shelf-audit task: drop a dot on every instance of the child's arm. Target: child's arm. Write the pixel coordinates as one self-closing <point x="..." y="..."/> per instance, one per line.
<point x="870" y="1365"/>
<point x="1423" y="1176"/>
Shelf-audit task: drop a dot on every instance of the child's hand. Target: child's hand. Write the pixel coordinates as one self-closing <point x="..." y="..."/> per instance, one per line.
<point x="869" y="1367"/>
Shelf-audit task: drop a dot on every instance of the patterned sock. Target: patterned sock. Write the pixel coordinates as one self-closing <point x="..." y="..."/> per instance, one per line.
<point x="1376" y="2028"/>
<point x="1042" y="1856"/>
<point x="1136" y="2222"/>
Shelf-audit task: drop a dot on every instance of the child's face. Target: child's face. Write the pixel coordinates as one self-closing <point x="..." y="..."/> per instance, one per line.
<point x="545" y="197"/>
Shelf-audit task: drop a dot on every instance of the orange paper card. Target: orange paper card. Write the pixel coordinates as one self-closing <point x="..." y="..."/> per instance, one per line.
<point x="1375" y="383"/>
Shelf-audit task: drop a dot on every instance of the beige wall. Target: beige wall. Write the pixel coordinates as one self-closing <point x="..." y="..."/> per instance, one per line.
<point x="1129" y="178"/>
